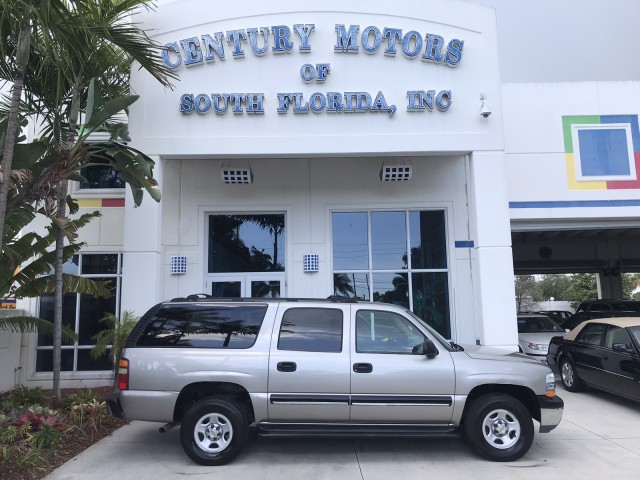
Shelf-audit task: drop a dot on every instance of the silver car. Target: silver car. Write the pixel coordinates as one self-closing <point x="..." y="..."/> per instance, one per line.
<point x="324" y="368"/>
<point x="535" y="331"/>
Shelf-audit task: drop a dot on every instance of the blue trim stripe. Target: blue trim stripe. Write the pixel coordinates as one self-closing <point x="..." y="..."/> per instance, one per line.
<point x="464" y="244"/>
<point x="577" y="204"/>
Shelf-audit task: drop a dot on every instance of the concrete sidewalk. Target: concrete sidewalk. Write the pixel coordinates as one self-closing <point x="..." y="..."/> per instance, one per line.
<point x="599" y="438"/>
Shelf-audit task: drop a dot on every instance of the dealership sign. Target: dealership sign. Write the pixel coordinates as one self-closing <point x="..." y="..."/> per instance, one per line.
<point x="280" y="39"/>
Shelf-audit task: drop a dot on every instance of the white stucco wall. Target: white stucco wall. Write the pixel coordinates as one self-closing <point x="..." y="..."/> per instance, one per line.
<point x="535" y="149"/>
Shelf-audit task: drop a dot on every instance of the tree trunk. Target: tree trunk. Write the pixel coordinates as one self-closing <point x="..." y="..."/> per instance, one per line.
<point x="58" y="295"/>
<point x="61" y="216"/>
<point x="22" y="57"/>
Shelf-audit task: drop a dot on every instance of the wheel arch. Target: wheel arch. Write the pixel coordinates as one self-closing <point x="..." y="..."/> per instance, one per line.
<point x="194" y="392"/>
<point x="524" y="394"/>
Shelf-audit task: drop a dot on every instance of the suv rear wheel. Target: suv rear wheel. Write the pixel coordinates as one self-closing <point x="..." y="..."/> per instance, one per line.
<point x="213" y="431"/>
<point x="499" y="427"/>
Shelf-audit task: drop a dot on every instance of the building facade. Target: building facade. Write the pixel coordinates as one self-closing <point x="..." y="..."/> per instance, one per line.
<point x="369" y="151"/>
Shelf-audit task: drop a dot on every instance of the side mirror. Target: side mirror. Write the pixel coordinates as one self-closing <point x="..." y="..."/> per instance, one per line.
<point x="427" y="348"/>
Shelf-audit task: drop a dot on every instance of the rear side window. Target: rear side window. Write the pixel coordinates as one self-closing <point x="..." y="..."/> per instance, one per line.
<point x="204" y="326"/>
<point x="311" y="330"/>
<point x="592" y="334"/>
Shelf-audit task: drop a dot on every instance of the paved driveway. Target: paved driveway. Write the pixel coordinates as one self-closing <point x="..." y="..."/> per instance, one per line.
<point x="599" y="438"/>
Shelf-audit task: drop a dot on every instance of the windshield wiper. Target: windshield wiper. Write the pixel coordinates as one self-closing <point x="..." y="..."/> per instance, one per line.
<point x="456" y="347"/>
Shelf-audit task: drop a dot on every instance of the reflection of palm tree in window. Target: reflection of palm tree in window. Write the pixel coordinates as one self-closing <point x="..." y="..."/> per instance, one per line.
<point x="342" y="285"/>
<point x="274" y="224"/>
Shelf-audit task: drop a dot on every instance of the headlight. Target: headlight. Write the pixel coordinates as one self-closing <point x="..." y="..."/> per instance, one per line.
<point x="551" y="385"/>
<point x="542" y="347"/>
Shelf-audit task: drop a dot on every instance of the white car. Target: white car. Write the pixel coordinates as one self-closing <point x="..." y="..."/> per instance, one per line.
<point x="535" y="331"/>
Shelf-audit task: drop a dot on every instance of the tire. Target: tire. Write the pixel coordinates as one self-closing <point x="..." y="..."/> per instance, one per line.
<point x="213" y="431"/>
<point x="569" y="376"/>
<point x="499" y="427"/>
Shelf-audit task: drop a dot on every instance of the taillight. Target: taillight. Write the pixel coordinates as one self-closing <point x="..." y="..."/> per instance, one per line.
<point x="123" y="374"/>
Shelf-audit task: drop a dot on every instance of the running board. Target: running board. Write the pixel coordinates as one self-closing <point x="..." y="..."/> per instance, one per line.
<point x="355" y="430"/>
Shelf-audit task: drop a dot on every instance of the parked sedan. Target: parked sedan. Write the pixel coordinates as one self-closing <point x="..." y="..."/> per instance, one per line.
<point x="603" y="353"/>
<point x="535" y="331"/>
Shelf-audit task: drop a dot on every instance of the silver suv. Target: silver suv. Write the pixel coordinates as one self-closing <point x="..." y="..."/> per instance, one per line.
<point x="335" y="367"/>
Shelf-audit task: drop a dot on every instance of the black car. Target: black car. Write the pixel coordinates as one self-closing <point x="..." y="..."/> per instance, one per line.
<point x="602" y="353"/>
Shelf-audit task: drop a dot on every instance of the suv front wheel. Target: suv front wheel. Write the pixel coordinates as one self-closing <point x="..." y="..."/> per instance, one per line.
<point x="499" y="427"/>
<point x="213" y="432"/>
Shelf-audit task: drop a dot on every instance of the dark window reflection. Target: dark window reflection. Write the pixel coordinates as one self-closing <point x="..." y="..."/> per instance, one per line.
<point x="431" y="300"/>
<point x="388" y="240"/>
<point x="246" y="243"/>
<point x="391" y="288"/>
<point x="92" y="311"/>
<point x="44" y="360"/>
<point x="86" y="363"/>
<point x="226" y="289"/>
<point x="100" y="264"/>
<point x="428" y="240"/>
<point x="269" y="289"/>
<point x="101" y="176"/>
<point x="203" y="326"/>
<point x="350" y="243"/>
<point x="311" y="330"/>
<point x="68" y="315"/>
<point x="352" y="285"/>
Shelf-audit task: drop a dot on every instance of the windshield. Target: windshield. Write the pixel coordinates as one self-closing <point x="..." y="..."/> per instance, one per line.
<point x="635" y="331"/>
<point x="537" y="324"/>
<point x="443" y="341"/>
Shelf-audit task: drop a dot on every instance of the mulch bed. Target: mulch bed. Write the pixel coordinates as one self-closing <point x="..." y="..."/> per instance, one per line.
<point x="70" y="446"/>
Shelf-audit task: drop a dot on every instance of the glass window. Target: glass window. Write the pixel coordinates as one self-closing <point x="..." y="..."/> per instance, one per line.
<point x="100" y="176"/>
<point x="385" y="332"/>
<point x="388" y="240"/>
<point x="311" y="330"/>
<point x="98" y="264"/>
<point x="592" y="334"/>
<point x="82" y="314"/>
<point x="246" y="243"/>
<point x="204" y="326"/>
<point x="617" y="336"/>
<point x="391" y="288"/>
<point x="635" y="331"/>
<point x="408" y="251"/>
<point x="350" y="241"/>
<point x="226" y="289"/>
<point x="428" y="240"/>
<point x="265" y="289"/>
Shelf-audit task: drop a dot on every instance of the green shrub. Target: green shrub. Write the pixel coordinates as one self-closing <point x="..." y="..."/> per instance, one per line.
<point x="81" y="396"/>
<point x="47" y="437"/>
<point x="23" y="397"/>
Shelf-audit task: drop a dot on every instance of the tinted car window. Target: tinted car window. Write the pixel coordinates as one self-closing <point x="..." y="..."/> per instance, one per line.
<point x="385" y="332"/>
<point x="204" y="326"/>
<point x="635" y="331"/>
<point x="537" y="324"/>
<point x="311" y="330"/>
<point x="592" y="334"/>
<point x="617" y="335"/>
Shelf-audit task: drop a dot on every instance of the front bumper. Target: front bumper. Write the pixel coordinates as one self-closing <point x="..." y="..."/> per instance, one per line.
<point x="551" y="410"/>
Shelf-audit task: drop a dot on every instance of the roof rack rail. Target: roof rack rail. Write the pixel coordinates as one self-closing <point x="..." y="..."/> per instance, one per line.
<point x="196" y="297"/>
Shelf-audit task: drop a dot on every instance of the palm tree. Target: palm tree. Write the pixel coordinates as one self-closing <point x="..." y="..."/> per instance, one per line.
<point x="112" y="339"/>
<point x="73" y="42"/>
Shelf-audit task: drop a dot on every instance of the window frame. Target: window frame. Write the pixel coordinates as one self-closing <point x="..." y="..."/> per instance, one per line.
<point x="408" y="272"/>
<point x="339" y="344"/>
<point x="76" y="348"/>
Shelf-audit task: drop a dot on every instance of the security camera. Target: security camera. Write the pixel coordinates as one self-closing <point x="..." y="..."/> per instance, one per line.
<point x="485" y="111"/>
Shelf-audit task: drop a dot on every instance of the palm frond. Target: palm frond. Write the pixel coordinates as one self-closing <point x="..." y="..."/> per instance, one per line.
<point x="27" y="324"/>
